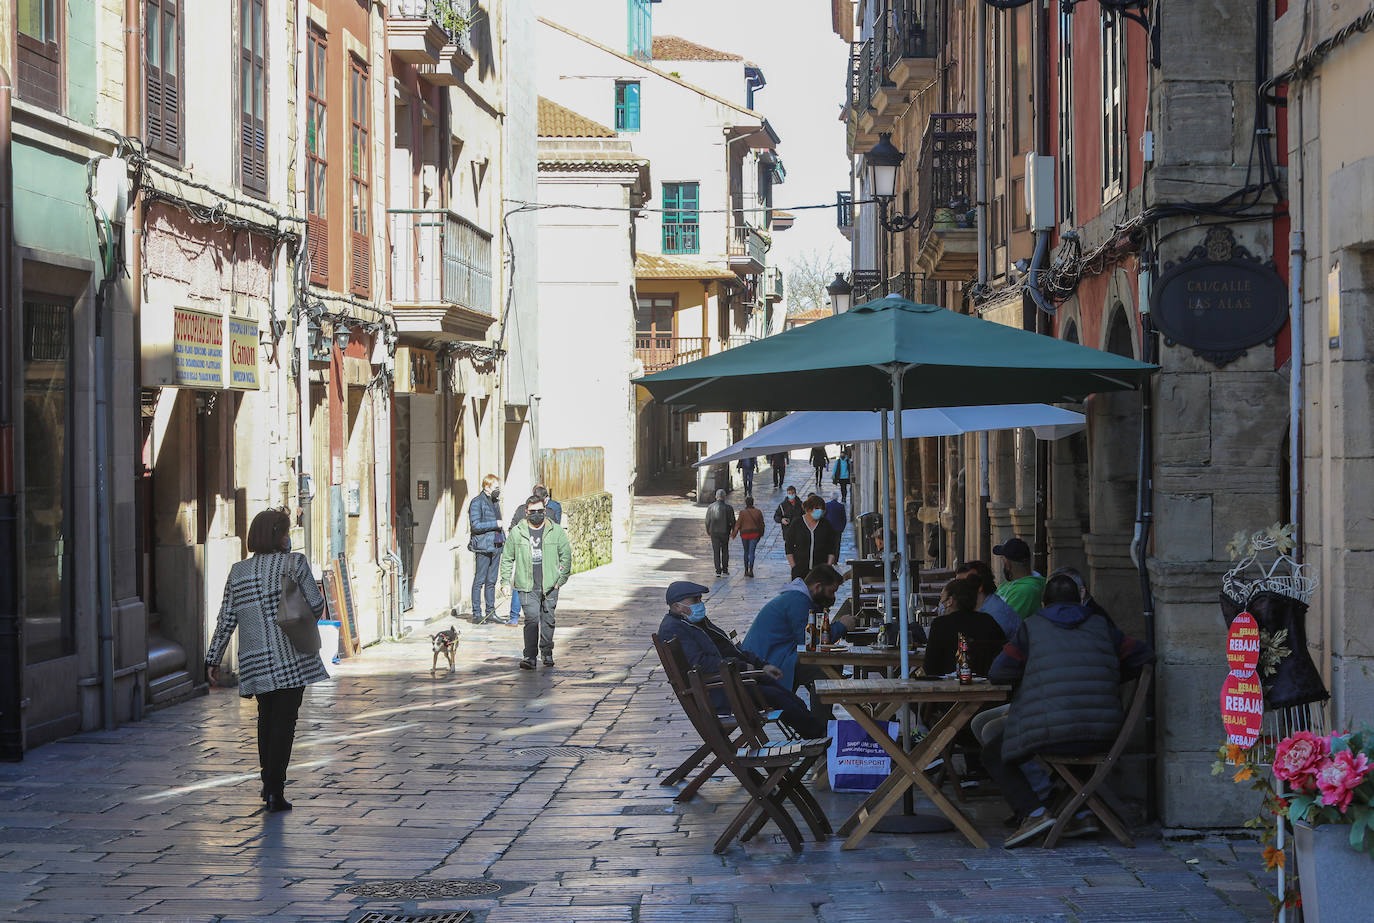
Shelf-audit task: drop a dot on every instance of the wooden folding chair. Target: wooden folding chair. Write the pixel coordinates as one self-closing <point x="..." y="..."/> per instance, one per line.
<point x="1086" y="792"/>
<point x="675" y="668"/>
<point x="769" y="773"/>
<point x="753" y="735"/>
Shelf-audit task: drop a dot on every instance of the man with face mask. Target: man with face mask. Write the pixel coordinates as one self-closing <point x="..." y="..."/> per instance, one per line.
<point x="487" y="537"/>
<point x="781" y="625"/>
<point x="789" y="510"/>
<point x="537" y="561"/>
<point x="705" y="645"/>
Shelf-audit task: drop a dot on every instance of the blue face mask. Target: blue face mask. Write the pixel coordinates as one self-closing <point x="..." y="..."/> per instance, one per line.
<point x="817" y="514"/>
<point x="698" y="613"/>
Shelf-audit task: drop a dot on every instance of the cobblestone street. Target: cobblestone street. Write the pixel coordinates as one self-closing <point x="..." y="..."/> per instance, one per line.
<point x="543" y="783"/>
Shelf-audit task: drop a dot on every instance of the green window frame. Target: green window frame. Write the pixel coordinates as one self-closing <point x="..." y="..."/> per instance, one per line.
<point x="681" y="217"/>
<point x="627" y="105"/>
<point x="641" y="32"/>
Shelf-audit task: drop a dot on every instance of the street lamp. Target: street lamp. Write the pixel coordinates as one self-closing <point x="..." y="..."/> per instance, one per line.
<point x="880" y="165"/>
<point x="880" y="168"/>
<point x="841" y="294"/>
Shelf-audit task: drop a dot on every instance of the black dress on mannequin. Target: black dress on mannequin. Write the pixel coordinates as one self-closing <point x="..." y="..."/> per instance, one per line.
<point x="1297" y="680"/>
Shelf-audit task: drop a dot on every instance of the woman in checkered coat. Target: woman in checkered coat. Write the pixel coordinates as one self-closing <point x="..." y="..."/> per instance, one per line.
<point x="270" y="667"/>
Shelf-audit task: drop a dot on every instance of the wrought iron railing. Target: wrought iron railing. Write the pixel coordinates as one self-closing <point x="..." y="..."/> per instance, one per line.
<point x="746" y="241"/>
<point x="438" y="256"/>
<point x="844" y="210"/>
<point x="681" y="237"/>
<point x="455" y="17"/>
<point x="870" y="74"/>
<point x="909" y="32"/>
<point x="738" y="340"/>
<point x="664" y="352"/>
<point x="913" y="286"/>
<point x="946" y="172"/>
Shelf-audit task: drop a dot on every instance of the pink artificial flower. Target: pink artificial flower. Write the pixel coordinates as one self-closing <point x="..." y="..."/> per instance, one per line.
<point x="1297" y="758"/>
<point x="1339" y="776"/>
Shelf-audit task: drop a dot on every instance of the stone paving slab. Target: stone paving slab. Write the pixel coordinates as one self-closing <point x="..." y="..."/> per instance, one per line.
<point x="401" y="773"/>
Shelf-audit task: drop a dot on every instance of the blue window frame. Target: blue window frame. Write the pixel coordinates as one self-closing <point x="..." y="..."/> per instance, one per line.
<point x="681" y="218"/>
<point x="627" y="105"/>
<point x="641" y="33"/>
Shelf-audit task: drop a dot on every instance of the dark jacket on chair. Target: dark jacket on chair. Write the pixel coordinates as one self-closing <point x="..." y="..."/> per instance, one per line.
<point x="1068" y="664"/>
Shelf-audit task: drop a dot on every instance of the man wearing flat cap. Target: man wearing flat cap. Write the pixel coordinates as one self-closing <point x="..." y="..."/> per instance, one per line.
<point x="1021" y="587"/>
<point x="705" y="646"/>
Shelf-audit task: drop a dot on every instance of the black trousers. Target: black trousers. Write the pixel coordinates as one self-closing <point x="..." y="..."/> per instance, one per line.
<point x="805" y="674"/>
<point x="720" y="550"/>
<point x="276" y="732"/>
<point x="844" y="491"/>
<point x="779" y="474"/>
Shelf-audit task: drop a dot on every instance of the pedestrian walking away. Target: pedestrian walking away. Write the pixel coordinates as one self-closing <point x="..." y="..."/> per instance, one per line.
<point x="720" y="524"/>
<point x="553" y="511"/>
<point x="747" y="467"/>
<point x="749" y="527"/>
<point x="778" y="464"/>
<point x="843" y="473"/>
<point x="487" y="538"/>
<point x="270" y="667"/>
<point x="536" y="561"/>
<point x="819" y="461"/>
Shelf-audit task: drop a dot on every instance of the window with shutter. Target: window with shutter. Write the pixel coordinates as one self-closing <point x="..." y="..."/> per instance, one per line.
<point x="681" y="218"/>
<point x="360" y="248"/>
<point x="38" y="53"/>
<point x="316" y="161"/>
<point x="162" y="77"/>
<point x="1113" y="103"/>
<point x="253" y="95"/>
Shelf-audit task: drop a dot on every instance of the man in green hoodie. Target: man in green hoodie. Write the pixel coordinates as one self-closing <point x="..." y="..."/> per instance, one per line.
<point x="537" y="561"/>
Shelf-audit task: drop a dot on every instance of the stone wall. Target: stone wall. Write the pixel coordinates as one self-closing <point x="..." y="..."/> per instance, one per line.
<point x="591" y="531"/>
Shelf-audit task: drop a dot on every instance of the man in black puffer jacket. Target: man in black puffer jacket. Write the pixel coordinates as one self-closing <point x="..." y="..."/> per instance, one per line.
<point x="1067" y="664"/>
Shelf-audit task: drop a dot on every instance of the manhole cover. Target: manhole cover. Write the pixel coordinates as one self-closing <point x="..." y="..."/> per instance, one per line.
<point x="564" y="751"/>
<point x="423" y="889"/>
<point x="373" y="916"/>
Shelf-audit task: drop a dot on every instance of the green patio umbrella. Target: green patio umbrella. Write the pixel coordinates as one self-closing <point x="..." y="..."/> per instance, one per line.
<point x="894" y="354"/>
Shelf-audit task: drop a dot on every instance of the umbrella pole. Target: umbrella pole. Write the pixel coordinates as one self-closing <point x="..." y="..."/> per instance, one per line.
<point x="888" y="614"/>
<point x="909" y="821"/>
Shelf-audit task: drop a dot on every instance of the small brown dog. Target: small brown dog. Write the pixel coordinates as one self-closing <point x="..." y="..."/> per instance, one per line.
<point x="446" y="643"/>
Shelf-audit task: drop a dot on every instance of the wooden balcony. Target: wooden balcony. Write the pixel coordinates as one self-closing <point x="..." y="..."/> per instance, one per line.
<point x="664" y="352"/>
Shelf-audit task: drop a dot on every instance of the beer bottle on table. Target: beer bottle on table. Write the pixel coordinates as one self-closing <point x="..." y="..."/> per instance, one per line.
<point x="961" y="663"/>
<point x="811" y="628"/>
<point x="823" y="631"/>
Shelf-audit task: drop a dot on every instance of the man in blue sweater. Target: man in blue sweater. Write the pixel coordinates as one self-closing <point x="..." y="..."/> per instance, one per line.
<point x="781" y="625"/>
<point x="706" y="646"/>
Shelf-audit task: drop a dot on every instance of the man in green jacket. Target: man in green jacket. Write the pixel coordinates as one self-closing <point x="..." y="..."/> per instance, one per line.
<point x="1021" y="586"/>
<point x="537" y="561"/>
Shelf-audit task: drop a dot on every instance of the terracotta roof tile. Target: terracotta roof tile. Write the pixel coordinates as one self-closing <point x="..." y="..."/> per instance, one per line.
<point x="674" y="48"/>
<point x="658" y="266"/>
<point x="557" y="121"/>
<point x="803" y="317"/>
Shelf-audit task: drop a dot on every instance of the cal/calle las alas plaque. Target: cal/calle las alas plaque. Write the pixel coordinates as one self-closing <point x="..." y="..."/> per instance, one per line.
<point x="1219" y="301"/>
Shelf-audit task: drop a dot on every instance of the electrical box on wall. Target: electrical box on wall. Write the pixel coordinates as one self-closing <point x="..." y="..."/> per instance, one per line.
<point x="1040" y="191"/>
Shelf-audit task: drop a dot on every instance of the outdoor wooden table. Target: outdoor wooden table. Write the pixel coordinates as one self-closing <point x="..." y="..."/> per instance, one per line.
<point x="833" y="662"/>
<point x="861" y="695"/>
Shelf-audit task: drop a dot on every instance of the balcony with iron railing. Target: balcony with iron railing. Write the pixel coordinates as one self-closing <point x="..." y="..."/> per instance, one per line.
<point x="772" y="284"/>
<point x="441" y="274"/>
<point x="946" y="185"/>
<point x="681" y="237"/>
<point x="433" y="35"/>
<point x="844" y="212"/>
<point x="911" y="45"/>
<point x="913" y="286"/>
<point x="748" y="249"/>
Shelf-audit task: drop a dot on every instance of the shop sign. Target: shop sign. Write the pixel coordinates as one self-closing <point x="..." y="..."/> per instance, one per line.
<point x="243" y="354"/>
<point x="1243" y="644"/>
<point x="1219" y="300"/>
<point x="1242" y="709"/>
<point x="198" y="348"/>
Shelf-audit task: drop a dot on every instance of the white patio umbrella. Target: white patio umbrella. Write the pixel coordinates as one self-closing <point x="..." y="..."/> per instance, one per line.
<point x="806" y="428"/>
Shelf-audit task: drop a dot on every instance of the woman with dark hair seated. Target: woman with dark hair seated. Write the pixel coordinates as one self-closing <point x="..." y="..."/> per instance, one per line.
<point x="269" y="665"/>
<point x="959" y="615"/>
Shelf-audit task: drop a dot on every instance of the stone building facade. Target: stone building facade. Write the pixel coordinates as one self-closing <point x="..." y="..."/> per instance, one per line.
<point x="1101" y="166"/>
